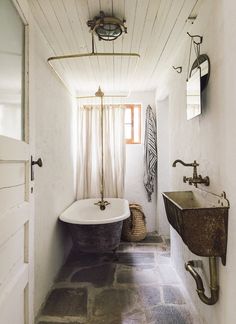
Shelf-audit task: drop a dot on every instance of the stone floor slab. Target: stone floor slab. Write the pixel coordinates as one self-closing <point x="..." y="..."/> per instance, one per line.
<point x="125" y="247"/>
<point x="135" y="258"/>
<point x="153" y="238"/>
<point x="66" y="302"/>
<point x="145" y="248"/>
<point x="172" y="295"/>
<point x="136" y="276"/>
<point x="150" y="296"/>
<point x="99" y="276"/>
<point x="164" y="314"/>
<point x="84" y="259"/>
<point x="133" y="318"/>
<point x="43" y="322"/>
<point x="115" y="302"/>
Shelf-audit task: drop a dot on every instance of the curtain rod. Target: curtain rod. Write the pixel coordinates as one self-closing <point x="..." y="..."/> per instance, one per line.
<point x="71" y="56"/>
<point x="97" y="106"/>
<point x="92" y="53"/>
<point x="78" y="55"/>
<point x="105" y="96"/>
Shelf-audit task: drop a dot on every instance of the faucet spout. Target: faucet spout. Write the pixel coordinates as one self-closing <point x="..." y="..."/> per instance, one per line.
<point x="195" y="179"/>
<point x="194" y="164"/>
<point x="102" y="204"/>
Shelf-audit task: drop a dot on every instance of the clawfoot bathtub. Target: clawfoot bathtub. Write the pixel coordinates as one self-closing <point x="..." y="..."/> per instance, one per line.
<point x="95" y="230"/>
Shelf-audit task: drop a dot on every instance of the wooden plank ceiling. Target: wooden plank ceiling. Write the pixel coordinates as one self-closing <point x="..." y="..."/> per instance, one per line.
<point x="155" y="29"/>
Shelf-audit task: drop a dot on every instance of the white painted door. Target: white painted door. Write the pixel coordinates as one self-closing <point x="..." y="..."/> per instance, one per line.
<point x="14" y="231"/>
<point x="16" y="216"/>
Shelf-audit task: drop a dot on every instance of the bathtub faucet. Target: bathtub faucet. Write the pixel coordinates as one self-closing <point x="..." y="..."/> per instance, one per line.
<point x="102" y="204"/>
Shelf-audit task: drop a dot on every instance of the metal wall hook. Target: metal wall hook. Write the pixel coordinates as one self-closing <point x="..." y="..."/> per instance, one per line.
<point x="194" y="36"/>
<point x="196" y="46"/>
<point x="178" y="69"/>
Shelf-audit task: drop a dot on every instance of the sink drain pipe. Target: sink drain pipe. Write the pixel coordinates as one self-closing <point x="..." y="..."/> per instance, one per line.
<point x="214" y="288"/>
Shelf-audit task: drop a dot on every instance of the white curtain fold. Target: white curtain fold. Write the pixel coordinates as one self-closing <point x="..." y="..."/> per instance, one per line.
<point x="89" y="151"/>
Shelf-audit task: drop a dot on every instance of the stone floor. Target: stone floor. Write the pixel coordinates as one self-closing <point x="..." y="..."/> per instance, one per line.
<point x="138" y="287"/>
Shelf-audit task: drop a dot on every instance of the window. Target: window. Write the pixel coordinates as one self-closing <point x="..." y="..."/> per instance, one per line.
<point x="12" y="75"/>
<point x="133" y="124"/>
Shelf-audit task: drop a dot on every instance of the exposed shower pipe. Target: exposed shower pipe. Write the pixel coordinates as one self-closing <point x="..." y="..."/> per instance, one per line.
<point x="102" y="203"/>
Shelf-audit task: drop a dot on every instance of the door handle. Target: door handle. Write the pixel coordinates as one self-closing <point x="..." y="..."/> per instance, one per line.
<point x="39" y="162"/>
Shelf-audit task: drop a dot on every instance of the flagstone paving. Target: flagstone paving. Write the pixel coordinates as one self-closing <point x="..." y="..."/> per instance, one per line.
<point x="137" y="286"/>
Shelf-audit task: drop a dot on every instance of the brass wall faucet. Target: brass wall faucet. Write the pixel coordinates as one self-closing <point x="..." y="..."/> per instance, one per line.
<point x="195" y="179"/>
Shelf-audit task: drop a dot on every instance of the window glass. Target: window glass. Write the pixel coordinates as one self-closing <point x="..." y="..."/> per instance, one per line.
<point x="128" y="131"/>
<point x="128" y="114"/>
<point x="12" y="71"/>
<point x="133" y="124"/>
<point x="136" y="124"/>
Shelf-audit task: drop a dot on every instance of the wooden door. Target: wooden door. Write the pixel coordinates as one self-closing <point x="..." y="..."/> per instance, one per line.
<point x="14" y="231"/>
<point x="16" y="216"/>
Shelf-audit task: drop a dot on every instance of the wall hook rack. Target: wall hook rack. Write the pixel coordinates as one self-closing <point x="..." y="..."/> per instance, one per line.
<point x="200" y="38"/>
<point x="196" y="45"/>
<point x="178" y="69"/>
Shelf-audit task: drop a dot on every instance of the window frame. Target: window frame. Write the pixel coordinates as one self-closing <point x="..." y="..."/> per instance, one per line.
<point x="132" y="106"/>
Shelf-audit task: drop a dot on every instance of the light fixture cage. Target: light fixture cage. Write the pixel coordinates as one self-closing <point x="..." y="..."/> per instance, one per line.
<point x="107" y="28"/>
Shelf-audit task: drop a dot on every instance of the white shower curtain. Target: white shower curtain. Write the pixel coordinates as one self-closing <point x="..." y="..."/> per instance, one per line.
<point x="89" y="151"/>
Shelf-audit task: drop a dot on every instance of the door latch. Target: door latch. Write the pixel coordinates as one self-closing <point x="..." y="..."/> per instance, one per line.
<point x="39" y="162"/>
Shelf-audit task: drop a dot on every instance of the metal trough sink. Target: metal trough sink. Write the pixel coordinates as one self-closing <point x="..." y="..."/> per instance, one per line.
<point x="201" y="219"/>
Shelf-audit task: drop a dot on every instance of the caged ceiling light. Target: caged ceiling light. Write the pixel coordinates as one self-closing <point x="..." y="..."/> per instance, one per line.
<point x="107" y="28"/>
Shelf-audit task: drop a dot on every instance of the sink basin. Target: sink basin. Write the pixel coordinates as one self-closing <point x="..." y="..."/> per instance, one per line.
<point x="201" y="219"/>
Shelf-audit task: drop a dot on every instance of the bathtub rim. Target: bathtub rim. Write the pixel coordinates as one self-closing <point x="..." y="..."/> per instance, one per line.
<point x="64" y="218"/>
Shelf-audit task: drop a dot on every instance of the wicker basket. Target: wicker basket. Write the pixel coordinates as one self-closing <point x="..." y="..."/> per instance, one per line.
<point x="134" y="228"/>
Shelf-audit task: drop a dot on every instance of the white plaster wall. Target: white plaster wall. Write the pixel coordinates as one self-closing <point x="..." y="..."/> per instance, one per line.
<point x="164" y="163"/>
<point x="55" y="182"/>
<point x="134" y="188"/>
<point x="211" y="140"/>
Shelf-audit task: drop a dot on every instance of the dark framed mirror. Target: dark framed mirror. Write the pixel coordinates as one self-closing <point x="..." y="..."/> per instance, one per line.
<point x="198" y="79"/>
<point x="203" y="62"/>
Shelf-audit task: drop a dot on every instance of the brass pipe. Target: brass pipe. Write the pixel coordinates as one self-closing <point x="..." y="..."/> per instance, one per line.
<point x="214" y="288"/>
<point x="71" y="56"/>
<point x="78" y="55"/>
<point x="105" y="96"/>
<point x="93" y="53"/>
<point x="102" y="203"/>
<point x="102" y="150"/>
<point x="100" y="94"/>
